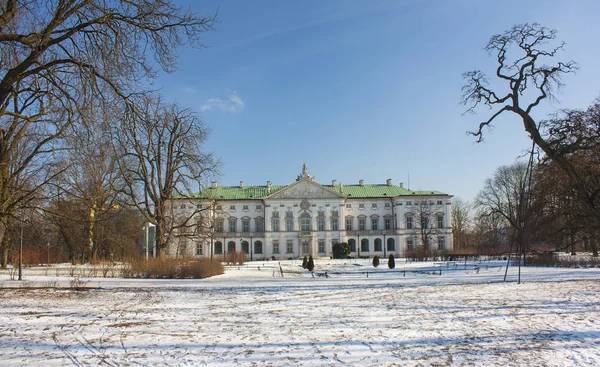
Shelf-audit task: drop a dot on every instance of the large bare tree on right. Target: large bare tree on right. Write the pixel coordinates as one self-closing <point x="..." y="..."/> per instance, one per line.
<point x="527" y="74"/>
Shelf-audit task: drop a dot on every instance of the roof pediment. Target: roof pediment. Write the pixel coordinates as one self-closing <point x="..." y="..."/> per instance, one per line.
<point x="305" y="188"/>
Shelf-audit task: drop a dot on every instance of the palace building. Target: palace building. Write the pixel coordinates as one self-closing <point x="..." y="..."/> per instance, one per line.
<point x="308" y="218"/>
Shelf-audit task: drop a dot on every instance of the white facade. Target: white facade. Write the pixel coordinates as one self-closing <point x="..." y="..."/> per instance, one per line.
<point x="306" y="218"/>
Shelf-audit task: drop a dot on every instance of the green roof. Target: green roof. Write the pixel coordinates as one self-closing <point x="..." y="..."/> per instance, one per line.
<point x="349" y="191"/>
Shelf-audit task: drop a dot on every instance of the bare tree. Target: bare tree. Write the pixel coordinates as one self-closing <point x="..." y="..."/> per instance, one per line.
<point x="461" y="218"/>
<point x="56" y="56"/>
<point x="164" y="166"/>
<point x="526" y="80"/>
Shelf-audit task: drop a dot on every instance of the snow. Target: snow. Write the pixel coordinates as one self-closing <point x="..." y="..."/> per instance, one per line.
<point x="411" y="316"/>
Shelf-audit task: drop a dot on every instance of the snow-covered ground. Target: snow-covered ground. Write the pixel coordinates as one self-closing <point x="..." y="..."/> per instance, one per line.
<point x="411" y="316"/>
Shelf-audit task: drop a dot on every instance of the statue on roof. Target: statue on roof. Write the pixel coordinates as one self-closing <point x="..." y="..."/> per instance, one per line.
<point x="305" y="173"/>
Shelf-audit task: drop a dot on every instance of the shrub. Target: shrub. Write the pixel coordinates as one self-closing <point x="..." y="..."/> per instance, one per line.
<point x="391" y="262"/>
<point x="341" y="250"/>
<point x="375" y="261"/>
<point x="311" y="264"/>
<point x="235" y="257"/>
<point x="173" y="269"/>
<point x="304" y="262"/>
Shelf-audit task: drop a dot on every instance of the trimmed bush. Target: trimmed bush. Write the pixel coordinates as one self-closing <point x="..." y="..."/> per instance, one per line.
<point x="375" y="261"/>
<point x="173" y="269"/>
<point x="341" y="250"/>
<point x="311" y="264"/>
<point x="304" y="262"/>
<point x="391" y="262"/>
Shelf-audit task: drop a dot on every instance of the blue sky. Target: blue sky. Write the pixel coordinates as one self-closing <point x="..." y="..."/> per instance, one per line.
<point x="365" y="89"/>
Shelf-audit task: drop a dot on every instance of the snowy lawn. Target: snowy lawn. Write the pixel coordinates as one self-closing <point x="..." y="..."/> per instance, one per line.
<point x="411" y="316"/>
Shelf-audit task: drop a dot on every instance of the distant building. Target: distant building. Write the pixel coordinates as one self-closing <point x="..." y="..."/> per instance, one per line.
<point x="307" y="218"/>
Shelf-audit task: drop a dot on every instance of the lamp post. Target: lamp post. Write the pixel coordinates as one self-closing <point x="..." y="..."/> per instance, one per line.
<point x="147" y="226"/>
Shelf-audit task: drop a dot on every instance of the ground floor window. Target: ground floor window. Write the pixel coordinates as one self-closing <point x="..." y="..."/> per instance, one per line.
<point x="391" y="244"/>
<point x="352" y="244"/>
<point x="364" y="245"/>
<point x="441" y="243"/>
<point x="377" y="245"/>
<point x="305" y="247"/>
<point x="258" y="247"/>
<point x="199" y="250"/>
<point x="231" y="246"/>
<point x="409" y="243"/>
<point x="218" y="248"/>
<point x="289" y="247"/>
<point x="275" y="247"/>
<point x="321" y="246"/>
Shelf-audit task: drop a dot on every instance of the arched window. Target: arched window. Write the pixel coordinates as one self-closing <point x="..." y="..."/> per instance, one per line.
<point x="352" y="244"/>
<point x="391" y="244"/>
<point x="230" y="246"/>
<point x="218" y="248"/>
<point x="364" y="245"/>
<point x="245" y="247"/>
<point x="258" y="247"/>
<point x="377" y="245"/>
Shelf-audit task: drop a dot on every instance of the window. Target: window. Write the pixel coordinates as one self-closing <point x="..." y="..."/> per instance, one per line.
<point x="260" y="225"/>
<point x="182" y="206"/>
<point x="408" y="203"/>
<point x="218" y="248"/>
<point x="348" y="206"/>
<point x="387" y="205"/>
<point x="230" y="246"/>
<point x="231" y="207"/>
<point x="245" y="207"/>
<point x="361" y="224"/>
<point x="289" y="224"/>
<point x="439" y="202"/>
<point x="320" y="224"/>
<point x="289" y="214"/>
<point x="424" y="222"/>
<point x="275" y="214"/>
<point x="374" y="224"/>
<point x="361" y="205"/>
<point x="245" y="247"/>
<point x="377" y="245"/>
<point x="334" y="213"/>
<point x="334" y="224"/>
<point x="374" y="205"/>
<point x="275" y="225"/>
<point x="219" y="207"/>
<point x="364" y="245"/>
<point x="352" y="244"/>
<point x="321" y="213"/>
<point x="258" y="207"/>
<point x="289" y="247"/>
<point x="440" y="221"/>
<point x="387" y="223"/>
<point x="246" y="225"/>
<point x="409" y="243"/>
<point x="199" y="251"/>
<point x="321" y="246"/>
<point x="348" y="224"/>
<point x="441" y="243"/>
<point x="305" y="247"/>
<point x="219" y="225"/>
<point x="391" y="244"/>
<point x="275" y="247"/>
<point x="409" y="222"/>
<point x="305" y="222"/>
<point x="258" y="247"/>
<point x="232" y="225"/>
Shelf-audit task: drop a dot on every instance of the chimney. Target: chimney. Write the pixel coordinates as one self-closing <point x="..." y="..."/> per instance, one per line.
<point x="334" y="183"/>
<point x="341" y="188"/>
<point x="401" y="185"/>
<point x="268" y="187"/>
<point x="361" y="182"/>
<point x="241" y="184"/>
<point x="388" y="182"/>
<point x="214" y="184"/>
